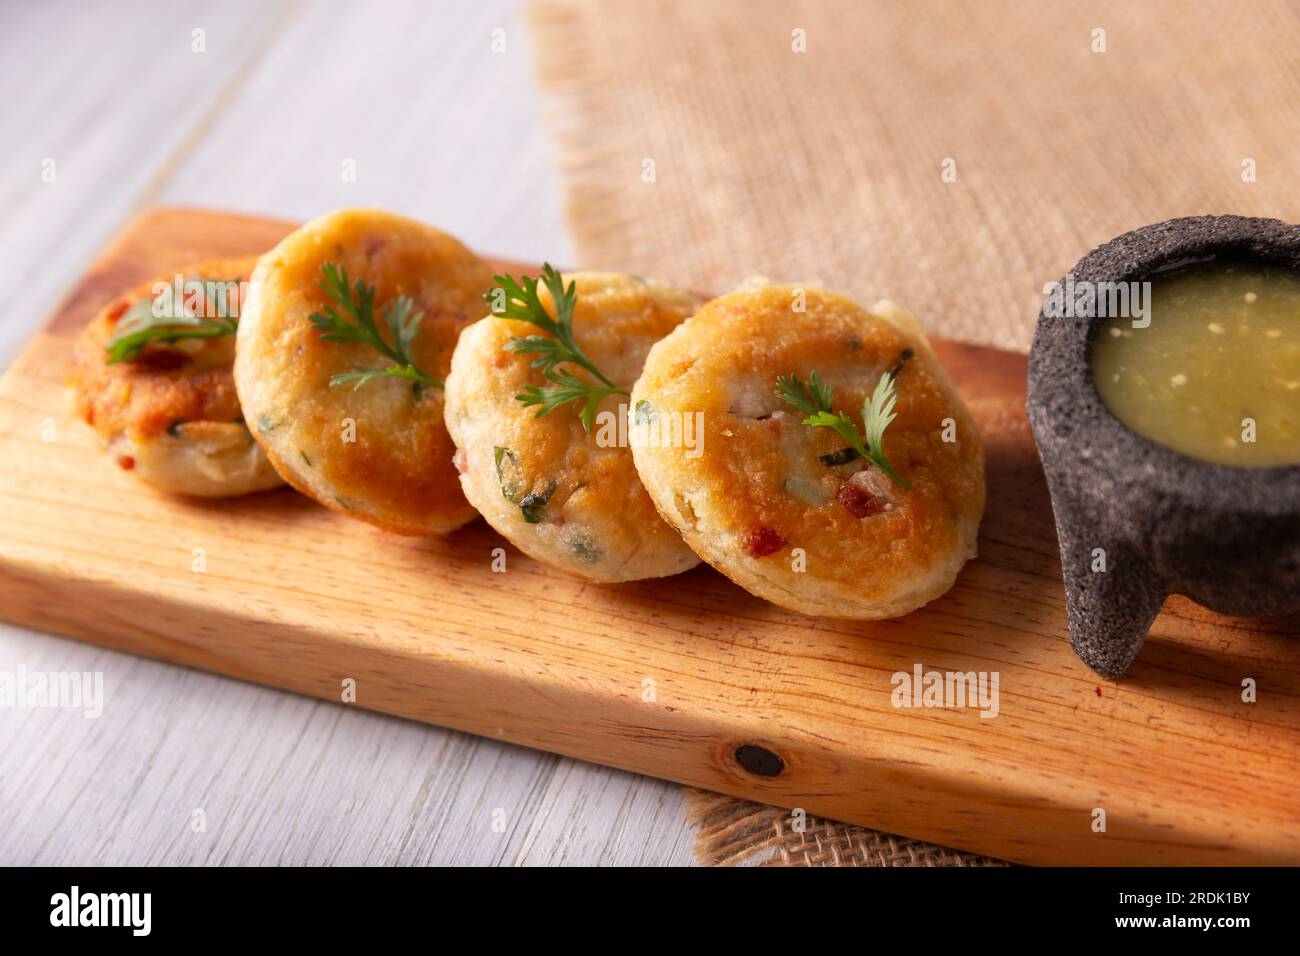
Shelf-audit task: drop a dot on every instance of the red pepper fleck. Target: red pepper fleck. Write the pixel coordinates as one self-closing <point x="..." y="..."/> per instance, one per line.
<point x="126" y="462"/>
<point x="162" y="360"/>
<point x="761" y="541"/>
<point x="857" y="501"/>
<point x="1098" y="691"/>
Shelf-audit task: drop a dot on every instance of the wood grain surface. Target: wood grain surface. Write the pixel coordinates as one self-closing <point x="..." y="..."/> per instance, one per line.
<point x="298" y="597"/>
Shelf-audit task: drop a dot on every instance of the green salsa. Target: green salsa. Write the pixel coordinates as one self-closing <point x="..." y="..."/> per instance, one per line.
<point x="1216" y="373"/>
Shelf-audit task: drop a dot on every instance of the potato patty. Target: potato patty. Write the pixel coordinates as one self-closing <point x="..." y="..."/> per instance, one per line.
<point x="567" y="497"/>
<point x="170" y="415"/>
<point x="377" y="451"/>
<point x="783" y="508"/>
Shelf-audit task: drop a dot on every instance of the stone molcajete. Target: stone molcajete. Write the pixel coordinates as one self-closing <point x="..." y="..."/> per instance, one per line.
<point x="1137" y="521"/>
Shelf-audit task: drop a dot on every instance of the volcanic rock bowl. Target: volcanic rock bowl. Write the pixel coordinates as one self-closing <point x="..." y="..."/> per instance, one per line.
<point x="1137" y="521"/>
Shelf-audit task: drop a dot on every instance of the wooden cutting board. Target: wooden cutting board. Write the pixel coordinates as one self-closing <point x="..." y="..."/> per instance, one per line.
<point x="689" y="678"/>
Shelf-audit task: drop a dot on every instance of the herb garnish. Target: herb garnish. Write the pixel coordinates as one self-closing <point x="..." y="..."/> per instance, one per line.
<point x="507" y="473"/>
<point x="814" y="399"/>
<point x="141" y="326"/>
<point x="511" y="479"/>
<point x="357" y="324"/>
<point x="534" y="503"/>
<point x="518" y="299"/>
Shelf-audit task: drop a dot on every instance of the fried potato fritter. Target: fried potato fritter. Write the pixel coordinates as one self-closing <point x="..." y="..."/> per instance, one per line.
<point x="785" y="509"/>
<point x="377" y="451"/>
<point x="569" y="498"/>
<point x="170" y="415"/>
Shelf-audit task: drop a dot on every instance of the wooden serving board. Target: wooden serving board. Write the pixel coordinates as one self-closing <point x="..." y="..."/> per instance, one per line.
<point x="298" y="597"/>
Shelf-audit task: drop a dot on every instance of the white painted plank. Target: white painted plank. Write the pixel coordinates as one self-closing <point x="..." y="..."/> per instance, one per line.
<point x="108" y="92"/>
<point x="439" y="126"/>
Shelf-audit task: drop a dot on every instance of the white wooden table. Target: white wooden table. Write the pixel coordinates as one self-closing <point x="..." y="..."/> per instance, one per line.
<point x="440" y="127"/>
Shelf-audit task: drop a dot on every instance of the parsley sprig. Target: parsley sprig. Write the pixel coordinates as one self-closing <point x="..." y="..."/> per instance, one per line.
<point x="354" y="321"/>
<point x="814" y="399"/>
<point x="142" y="326"/>
<point x="518" y="299"/>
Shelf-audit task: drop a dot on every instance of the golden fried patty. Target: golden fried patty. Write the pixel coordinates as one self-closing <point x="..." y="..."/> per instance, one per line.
<point x="779" y="506"/>
<point x="378" y="451"/>
<point x="567" y="497"/>
<point x="170" y="415"/>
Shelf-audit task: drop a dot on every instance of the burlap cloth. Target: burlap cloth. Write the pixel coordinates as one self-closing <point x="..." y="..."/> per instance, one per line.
<point x="951" y="156"/>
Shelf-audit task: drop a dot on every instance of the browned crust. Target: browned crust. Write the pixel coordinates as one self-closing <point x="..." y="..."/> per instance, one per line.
<point x="596" y="494"/>
<point x="140" y="399"/>
<point x="397" y="474"/>
<point x="748" y="523"/>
